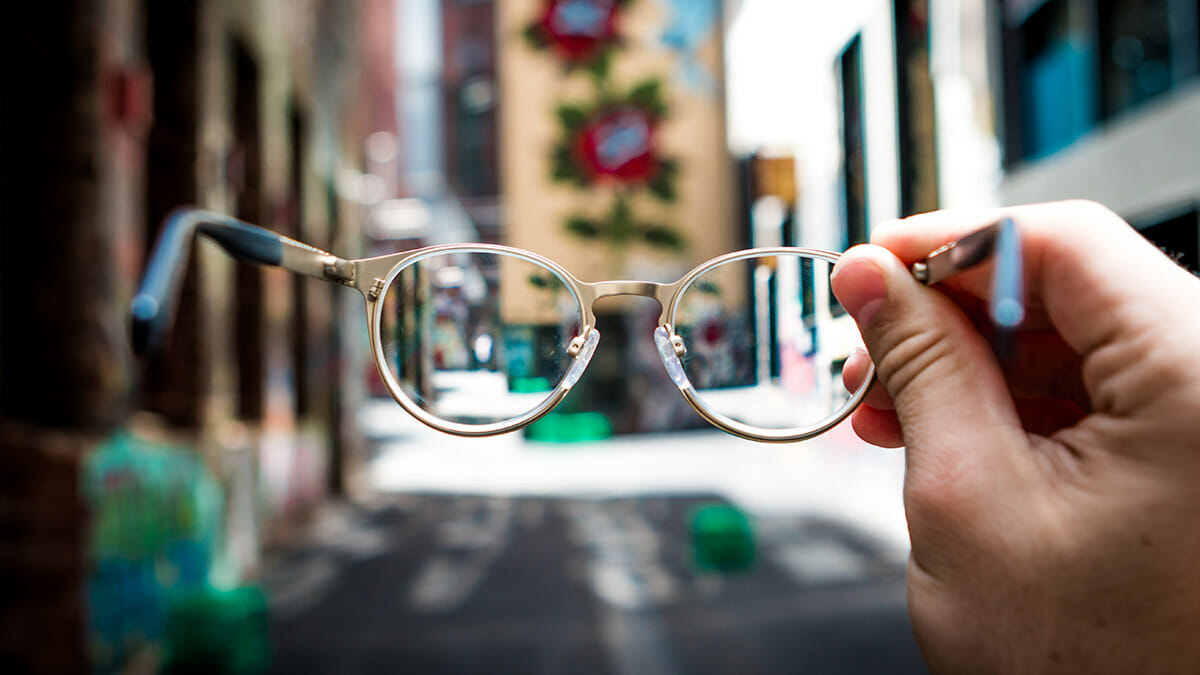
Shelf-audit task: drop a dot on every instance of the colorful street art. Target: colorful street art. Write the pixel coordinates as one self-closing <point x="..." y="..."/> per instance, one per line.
<point x="157" y="517"/>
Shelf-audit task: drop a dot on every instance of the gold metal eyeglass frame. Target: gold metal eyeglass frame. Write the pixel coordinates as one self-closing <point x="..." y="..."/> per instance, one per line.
<point x="151" y="308"/>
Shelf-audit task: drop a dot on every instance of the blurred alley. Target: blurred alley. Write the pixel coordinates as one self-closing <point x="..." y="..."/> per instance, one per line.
<point x="249" y="497"/>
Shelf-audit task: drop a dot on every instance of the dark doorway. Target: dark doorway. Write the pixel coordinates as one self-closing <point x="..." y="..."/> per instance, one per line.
<point x="245" y="172"/>
<point x="174" y="385"/>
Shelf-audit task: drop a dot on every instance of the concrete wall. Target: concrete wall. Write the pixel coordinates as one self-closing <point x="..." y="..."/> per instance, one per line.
<point x="1143" y="164"/>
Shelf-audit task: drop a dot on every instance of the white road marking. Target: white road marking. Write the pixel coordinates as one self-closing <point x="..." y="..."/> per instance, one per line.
<point x="303" y="587"/>
<point x="469" y="542"/>
<point x="626" y="574"/>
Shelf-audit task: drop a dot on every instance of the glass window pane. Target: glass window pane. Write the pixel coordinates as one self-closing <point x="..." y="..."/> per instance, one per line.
<point x="1058" y="81"/>
<point x="1135" y="51"/>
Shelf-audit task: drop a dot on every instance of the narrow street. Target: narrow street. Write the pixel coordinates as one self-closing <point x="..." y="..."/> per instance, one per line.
<point x="581" y="559"/>
<point x="431" y="584"/>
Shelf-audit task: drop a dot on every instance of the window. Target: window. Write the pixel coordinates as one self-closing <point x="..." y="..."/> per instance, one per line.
<point x="1056" y="78"/>
<point x="1072" y="64"/>
<point x="473" y="139"/>
<point x="914" y="108"/>
<point x="854" y="174"/>
<point x="1135" y="52"/>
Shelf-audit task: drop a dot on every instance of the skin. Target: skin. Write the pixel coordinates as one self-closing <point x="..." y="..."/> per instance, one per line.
<point x="1053" y="500"/>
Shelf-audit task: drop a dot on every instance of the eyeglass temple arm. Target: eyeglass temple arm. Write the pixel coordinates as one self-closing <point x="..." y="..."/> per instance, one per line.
<point x="153" y="306"/>
<point x="1000" y="241"/>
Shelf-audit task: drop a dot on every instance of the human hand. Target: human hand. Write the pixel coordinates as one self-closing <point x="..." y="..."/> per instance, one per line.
<point x="1053" y="500"/>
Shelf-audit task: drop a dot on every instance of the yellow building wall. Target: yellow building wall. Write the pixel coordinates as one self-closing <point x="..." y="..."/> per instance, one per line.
<point x="534" y="83"/>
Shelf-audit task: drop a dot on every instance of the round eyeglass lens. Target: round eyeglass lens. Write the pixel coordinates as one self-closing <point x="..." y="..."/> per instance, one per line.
<point x="766" y="341"/>
<point x="477" y="337"/>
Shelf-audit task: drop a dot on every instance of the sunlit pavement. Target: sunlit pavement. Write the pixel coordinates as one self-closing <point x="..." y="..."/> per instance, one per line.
<point x="835" y="475"/>
<point x="502" y="555"/>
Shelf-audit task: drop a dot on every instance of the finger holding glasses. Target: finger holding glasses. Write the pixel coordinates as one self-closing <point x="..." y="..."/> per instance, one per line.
<point x="1051" y="489"/>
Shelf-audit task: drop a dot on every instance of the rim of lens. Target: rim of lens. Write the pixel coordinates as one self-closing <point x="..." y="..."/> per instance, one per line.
<point x="749" y="431"/>
<point x="397" y="391"/>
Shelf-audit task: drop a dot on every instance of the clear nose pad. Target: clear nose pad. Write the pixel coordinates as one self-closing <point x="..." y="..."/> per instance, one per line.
<point x="666" y="343"/>
<point x="582" y="358"/>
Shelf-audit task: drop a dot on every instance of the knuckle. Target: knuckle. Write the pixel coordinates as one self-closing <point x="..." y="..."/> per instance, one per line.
<point x="1084" y="205"/>
<point x="1091" y="212"/>
<point x="911" y="355"/>
<point x="940" y="496"/>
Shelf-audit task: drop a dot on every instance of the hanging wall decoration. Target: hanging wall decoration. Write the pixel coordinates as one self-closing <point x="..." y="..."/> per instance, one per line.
<point x="614" y="163"/>
<point x="611" y="143"/>
<point x="608" y="141"/>
<point x="612" y="137"/>
<point x="581" y="33"/>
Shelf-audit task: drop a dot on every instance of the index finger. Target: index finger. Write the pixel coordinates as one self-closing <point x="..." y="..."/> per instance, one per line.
<point x="1098" y="281"/>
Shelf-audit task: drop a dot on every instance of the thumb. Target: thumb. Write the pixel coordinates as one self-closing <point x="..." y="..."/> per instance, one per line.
<point x="941" y="373"/>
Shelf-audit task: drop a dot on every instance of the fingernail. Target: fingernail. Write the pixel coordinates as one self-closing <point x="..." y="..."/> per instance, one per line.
<point x="859" y="286"/>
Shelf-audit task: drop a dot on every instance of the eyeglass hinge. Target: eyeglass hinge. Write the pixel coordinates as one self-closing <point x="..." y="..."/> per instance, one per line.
<point x="376" y="289"/>
<point x="338" y="269"/>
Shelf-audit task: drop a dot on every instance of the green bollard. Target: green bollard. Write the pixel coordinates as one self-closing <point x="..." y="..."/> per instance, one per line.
<point x="722" y="538"/>
<point x="570" y="427"/>
<point x="217" y="631"/>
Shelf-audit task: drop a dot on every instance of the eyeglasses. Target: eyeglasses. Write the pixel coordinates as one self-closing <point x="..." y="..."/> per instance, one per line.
<point x="483" y="339"/>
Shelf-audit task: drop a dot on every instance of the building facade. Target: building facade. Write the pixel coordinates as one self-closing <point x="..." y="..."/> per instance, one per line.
<point x="969" y="103"/>
<point x="129" y="479"/>
<point x="1100" y="100"/>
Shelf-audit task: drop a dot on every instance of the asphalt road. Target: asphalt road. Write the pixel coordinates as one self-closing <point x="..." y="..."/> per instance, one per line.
<point x="445" y="584"/>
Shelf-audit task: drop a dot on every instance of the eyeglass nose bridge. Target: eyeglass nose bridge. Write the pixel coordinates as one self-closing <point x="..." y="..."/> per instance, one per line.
<point x="670" y="345"/>
<point x="589" y="293"/>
